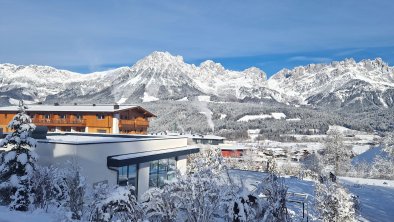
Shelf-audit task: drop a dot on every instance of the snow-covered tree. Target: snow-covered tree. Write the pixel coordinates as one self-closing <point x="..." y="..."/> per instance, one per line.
<point x="382" y="167"/>
<point x="313" y="162"/>
<point x="388" y="143"/>
<point x="114" y="204"/>
<point x="334" y="203"/>
<point x="206" y="193"/>
<point x="17" y="165"/>
<point x="158" y="205"/>
<point x="75" y="191"/>
<point x="43" y="187"/>
<point x="275" y="196"/>
<point x="336" y="154"/>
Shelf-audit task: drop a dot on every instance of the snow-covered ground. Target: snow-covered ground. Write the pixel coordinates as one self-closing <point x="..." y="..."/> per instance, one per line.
<point x="369" y="155"/>
<point x="15" y="216"/>
<point x="148" y="98"/>
<point x="376" y="196"/>
<point x="247" y="118"/>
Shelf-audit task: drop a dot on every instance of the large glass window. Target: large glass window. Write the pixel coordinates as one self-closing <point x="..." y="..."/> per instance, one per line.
<point x="122" y="176"/>
<point x="160" y="171"/>
<point x="132" y="175"/>
<point x="127" y="175"/>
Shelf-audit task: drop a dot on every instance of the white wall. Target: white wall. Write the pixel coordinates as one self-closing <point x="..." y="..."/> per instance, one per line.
<point x="92" y="158"/>
<point x="115" y="123"/>
<point x="143" y="179"/>
<point x="181" y="164"/>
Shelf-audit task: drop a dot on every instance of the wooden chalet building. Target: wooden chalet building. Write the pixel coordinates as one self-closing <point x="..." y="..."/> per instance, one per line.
<point x="123" y="119"/>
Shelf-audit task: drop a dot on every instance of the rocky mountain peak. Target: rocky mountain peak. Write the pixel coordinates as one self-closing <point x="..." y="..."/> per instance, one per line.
<point x="211" y="66"/>
<point x="160" y="58"/>
<point x="254" y="71"/>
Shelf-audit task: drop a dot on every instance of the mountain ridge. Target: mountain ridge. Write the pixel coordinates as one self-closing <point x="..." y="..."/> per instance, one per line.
<point x="162" y="76"/>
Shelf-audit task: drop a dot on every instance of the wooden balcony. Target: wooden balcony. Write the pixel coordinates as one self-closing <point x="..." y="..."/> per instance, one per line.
<point x="59" y="122"/>
<point x="133" y="123"/>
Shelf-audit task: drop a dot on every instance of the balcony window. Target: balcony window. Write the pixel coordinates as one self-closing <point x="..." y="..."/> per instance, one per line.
<point x="79" y="116"/>
<point x="100" y="116"/>
<point x="47" y="116"/>
<point x="63" y="116"/>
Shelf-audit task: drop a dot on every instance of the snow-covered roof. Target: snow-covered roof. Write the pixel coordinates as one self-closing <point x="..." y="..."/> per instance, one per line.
<point x="205" y="137"/>
<point x="233" y="147"/>
<point x="155" y="152"/>
<point x="73" y="108"/>
<point x="143" y="157"/>
<point x="84" y="138"/>
<point x="192" y="136"/>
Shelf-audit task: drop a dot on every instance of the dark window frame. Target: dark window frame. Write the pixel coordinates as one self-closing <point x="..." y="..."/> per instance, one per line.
<point x="100" y="116"/>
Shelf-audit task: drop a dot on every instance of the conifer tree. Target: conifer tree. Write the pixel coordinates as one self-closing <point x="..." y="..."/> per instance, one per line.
<point x="18" y="163"/>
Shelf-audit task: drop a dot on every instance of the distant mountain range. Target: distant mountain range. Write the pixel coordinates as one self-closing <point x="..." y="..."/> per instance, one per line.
<point x="162" y="76"/>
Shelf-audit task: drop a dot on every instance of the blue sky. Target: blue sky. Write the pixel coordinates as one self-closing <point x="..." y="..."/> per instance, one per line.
<point x="86" y="36"/>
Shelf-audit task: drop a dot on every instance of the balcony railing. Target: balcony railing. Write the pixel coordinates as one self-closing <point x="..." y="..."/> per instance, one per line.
<point x="59" y="122"/>
<point x="133" y="123"/>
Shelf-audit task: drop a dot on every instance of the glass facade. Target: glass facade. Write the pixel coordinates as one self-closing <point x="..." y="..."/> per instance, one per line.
<point x="127" y="175"/>
<point x="160" y="171"/>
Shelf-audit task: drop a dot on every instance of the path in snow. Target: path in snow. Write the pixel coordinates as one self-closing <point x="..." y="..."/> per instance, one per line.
<point x="377" y="198"/>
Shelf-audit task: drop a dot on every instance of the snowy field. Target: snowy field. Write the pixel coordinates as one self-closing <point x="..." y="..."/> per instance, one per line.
<point x="247" y="118"/>
<point x="376" y="196"/>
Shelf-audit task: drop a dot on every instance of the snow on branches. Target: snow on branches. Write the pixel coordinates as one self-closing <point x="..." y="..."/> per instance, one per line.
<point x="118" y="204"/>
<point x="18" y="163"/>
<point x="334" y="203"/>
<point x="388" y="144"/>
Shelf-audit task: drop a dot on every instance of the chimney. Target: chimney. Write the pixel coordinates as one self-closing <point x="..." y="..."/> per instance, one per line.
<point x="75" y="104"/>
<point x="94" y="104"/>
<point x="56" y="104"/>
<point x="116" y="106"/>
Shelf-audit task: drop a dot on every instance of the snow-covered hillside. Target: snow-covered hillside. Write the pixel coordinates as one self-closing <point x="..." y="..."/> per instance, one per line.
<point x="162" y="76"/>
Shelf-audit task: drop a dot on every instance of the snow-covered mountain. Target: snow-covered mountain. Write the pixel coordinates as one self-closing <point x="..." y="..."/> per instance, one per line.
<point x="162" y="76"/>
<point x="339" y="84"/>
<point x="159" y="76"/>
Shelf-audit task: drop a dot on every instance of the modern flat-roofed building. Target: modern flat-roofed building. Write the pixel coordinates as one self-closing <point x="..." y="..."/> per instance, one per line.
<point x="139" y="160"/>
<point x="123" y="119"/>
<point x="206" y="139"/>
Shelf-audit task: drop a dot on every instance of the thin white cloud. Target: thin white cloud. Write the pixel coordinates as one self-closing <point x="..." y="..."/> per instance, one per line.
<point x="310" y="59"/>
<point x="348" y="52"/>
